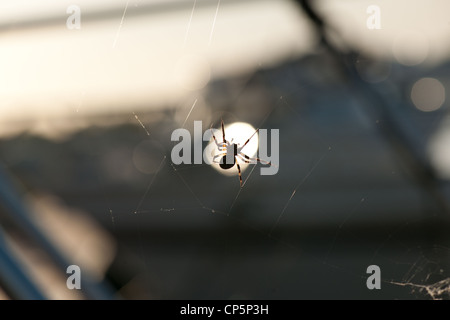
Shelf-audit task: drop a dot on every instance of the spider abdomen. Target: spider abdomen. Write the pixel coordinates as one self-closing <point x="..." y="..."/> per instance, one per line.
<point x="224" y="165"/>
<point x="230" y="155"/>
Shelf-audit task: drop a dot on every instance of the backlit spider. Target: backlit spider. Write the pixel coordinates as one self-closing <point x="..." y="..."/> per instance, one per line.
<point x="230" y="152"/>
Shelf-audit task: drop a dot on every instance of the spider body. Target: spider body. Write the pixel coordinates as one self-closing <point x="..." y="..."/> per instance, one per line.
<point x="231" y="149"/>
<point x="230" y="152"/>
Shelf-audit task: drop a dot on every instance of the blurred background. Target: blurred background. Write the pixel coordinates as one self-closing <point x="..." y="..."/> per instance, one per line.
<point x="91" y="93"/>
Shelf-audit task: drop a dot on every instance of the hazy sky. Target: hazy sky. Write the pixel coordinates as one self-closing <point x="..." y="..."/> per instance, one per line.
<point x="146" y="61"/>
<point x="140" y="61"/>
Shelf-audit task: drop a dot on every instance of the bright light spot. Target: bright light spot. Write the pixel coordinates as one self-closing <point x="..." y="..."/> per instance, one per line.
<point x="428" y="94"/>
<point x="192" y="72"/>
<point x="238" y="133"/>
<point x="410" y="48"/>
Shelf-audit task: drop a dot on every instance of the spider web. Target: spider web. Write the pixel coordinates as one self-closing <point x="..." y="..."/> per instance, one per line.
<point x="339" y="202"/>
<point x="282" y="214"/>
<point x="376" y="210"/>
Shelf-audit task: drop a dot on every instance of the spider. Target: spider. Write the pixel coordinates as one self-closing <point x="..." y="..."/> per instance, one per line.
<point x="227" y="148"/>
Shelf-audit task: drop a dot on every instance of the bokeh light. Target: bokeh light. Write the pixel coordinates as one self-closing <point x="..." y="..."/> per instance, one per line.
<point x="410" y="48"/>
<point x="439" y="149"/>
<point x="373" y="71"/>
<point x="428" y="94"/>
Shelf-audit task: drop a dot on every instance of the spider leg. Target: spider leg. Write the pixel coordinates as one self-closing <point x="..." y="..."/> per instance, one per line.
<point x="215" y="140"/>
<point x="223" y="134"/>
<point x="243" y="159"/>
<point x="248" y="140"/>
<point x="247" y="159"/>
<point x="218" y="155"/>
<point x="239" y="171"/>
<point x="223" y="131"/>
